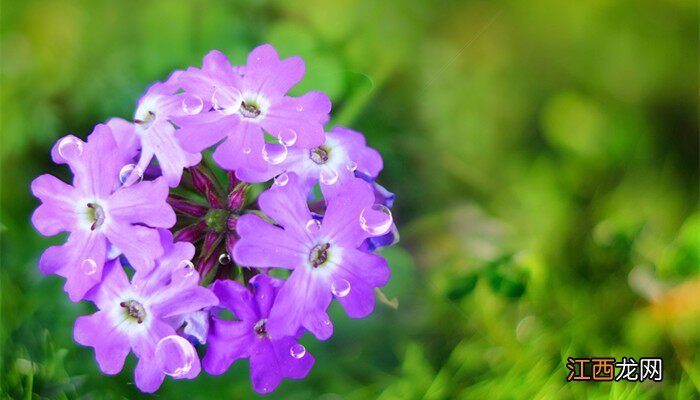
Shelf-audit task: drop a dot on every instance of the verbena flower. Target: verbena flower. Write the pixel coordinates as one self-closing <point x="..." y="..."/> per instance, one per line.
<point x="248" y="102"/>
<point x="154" y="133"/>
<point x="98" y="213"/>
<point x="144" y="317"/>
<point x="323" y="256"/>
<point x="334" y="163"/>
<point x="179" y="228"/>
<point x="271" y="359"/>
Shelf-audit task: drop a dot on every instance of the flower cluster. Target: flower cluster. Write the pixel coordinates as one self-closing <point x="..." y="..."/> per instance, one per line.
<point x="167" y="239"/>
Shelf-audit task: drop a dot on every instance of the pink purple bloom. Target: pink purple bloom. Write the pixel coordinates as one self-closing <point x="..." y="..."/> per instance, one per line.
<point x="249" y="101"/>
<point x="144" y="316"/>
<point x="271" y="358"/>
<point x="323" y="255"/>
<point x="154" y="134"/>
<point x="98" y="213"/>
<point x="333" y="164"/>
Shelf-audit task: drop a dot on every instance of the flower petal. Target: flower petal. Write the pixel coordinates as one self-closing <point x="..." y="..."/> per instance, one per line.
<point x="172" y="159"/>
<point x="265" y="245"/>
<point x="227" y="342"/>
<point x="302" y="302"/>
<point x="342" y="219"/>
<point x="100" y="332"/>
<point x="57" y="213"/>
<point x="142" y="203"/>
<point x="306" y="115"/>
<point x="140" y="245"/>
<point x="267" y="74"/>
<point x="97" y="168"/>
<point x="80" y="261"/>
<point x="286" y="205"/>
<point x="236" y="298"/>
<point x="265" y="373"/>
<point x="290" y="366"/>
<point x="147" y="375"/>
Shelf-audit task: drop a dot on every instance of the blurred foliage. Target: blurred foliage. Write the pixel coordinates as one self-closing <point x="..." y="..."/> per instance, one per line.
<point x="544" y="156"/>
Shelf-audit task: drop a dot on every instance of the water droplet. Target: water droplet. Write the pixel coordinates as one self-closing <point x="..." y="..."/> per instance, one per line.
<point x="246" y="150"/>
<point x="175" y="355"/>
<point x="224" y="259"/>
<point x="352" y="166"/>
<point x="313" y="226"/>
<point x="192" y="104"/>
<point x="340" y="288"/>
<point x="376" y="220"/>
<point x="300" y="108"/>
<point x="297" y="351"/>
<point x="130" y="174"/>
<point x="328" y="176"/>
<point x="89" y="266"/>
<point x="70" y="147"/>
<point x="187" y="267"/>
<point x="274" y="153"/>
<point x="226" y="100"/>
<point x="282" y="179"/>
<point x="287" y="137"/>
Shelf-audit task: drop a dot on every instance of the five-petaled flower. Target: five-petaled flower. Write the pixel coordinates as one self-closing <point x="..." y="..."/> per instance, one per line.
<point x="323" y="255"/>
<point x="98" y="213"/>
<point x="271" y="359"/>
<point x="143" y="316"/>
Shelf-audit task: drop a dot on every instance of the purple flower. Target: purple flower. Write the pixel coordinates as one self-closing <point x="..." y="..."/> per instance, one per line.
<point x="324" y="256"/>
<point x="334" y="163"/>
<point x="154" y="134"/>
<point x="247" y="101"/>
<point x="143" y="317"/>
<point x="98" y="213"/>
<point x="271" y="358"/>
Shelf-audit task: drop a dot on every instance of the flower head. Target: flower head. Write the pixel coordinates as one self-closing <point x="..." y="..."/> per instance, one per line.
<point x="248" y="102"/>
<point x="98" y="212"/>
<point x="271" y="358"/>
<point x="323" y="255"/>
<point x="144" y="317"/>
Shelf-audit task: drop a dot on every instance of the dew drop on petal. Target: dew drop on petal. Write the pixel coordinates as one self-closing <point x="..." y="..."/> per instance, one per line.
<point x="187" y="267"/>
<point x="175" y="355"/>
<point x="300" y="108"/>
<point x="126" y="172"/>
<point x="313" y="226"/>
<point x="70" y="147"/>
<point x="226" y="100"/>
<point x="89" y="266"/>
<point x="282" y="179"/>
<point x="224" y="258"/>
<point x="328" y="176"/>
<point x="352" y="166"/>
<point x="274" y="153"/>
<point x="192" y="105"/>
<point x="297" y="351"/>
<point x="287" y="137"/>
<point x="246" y="150"/>
<point x="340" y="288"/>
<point x="376" y="220"/>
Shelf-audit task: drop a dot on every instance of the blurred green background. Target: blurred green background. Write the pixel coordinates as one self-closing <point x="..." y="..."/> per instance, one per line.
<point x="544" y="155"/>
